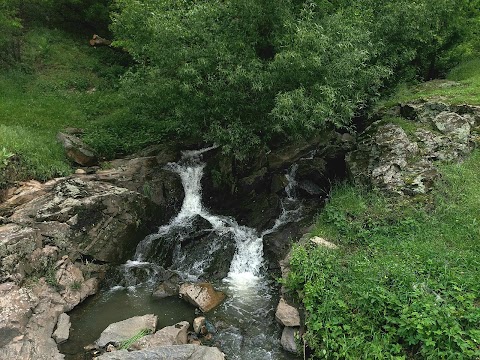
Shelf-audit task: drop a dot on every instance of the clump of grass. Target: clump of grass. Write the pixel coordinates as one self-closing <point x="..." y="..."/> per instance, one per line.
<point x="404" y="283"/>
<point x="127" y="343"/>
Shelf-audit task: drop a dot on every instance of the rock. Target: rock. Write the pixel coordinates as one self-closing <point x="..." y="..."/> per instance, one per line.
<point x="286" y="314"/>
<point x="317" y="240"/>
<point x="201" y="295"/>
<point x="36" y="325"/>
<point x="16" y="307"/>
<point x="454" y="125"/>
<point x="77" y="150"/>
<point x="123" y="330"/>
<point x="92" y="217"/>
<point x="174" y="352"/>
<point x="165" y="290"/>
<point x="80" y="172"/>
<point x="288" y="339"/>
<point x="62" y="332"/>
<point x="170" y="335"/>
<point x="198" y="323"/>
<point x="388" y="160"/>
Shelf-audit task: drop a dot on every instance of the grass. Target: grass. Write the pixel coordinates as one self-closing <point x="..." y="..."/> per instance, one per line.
<point x="57" y="85"/>
<point x="462" y="86"/>
<point x="404" y="284"/>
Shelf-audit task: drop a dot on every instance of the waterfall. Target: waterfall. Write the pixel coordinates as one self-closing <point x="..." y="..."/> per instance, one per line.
<point x="251" y="297"/>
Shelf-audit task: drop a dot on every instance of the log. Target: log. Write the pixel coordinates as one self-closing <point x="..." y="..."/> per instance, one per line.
<point x="99" y="41"/>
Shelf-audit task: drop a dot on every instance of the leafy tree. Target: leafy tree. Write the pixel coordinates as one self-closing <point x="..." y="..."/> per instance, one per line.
<point x="251" y="73"/>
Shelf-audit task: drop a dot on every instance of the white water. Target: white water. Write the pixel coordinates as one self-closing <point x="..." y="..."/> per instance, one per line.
<point x="252" y="333"/>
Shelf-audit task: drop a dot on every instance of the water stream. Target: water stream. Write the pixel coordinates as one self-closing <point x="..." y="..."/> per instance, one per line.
<point x="245" y="325"/>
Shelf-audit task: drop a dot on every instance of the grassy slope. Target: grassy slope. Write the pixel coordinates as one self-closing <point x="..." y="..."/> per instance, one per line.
<point x="58" y="87"/>
<point x="405" y="282"/>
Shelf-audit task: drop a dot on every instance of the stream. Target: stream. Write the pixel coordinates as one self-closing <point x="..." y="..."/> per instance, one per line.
<point x="244" y="325"/>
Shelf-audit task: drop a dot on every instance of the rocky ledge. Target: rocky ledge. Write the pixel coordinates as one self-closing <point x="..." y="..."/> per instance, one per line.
<point x="57" y="238"/>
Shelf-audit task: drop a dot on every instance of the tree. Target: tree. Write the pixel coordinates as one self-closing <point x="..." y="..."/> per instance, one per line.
<point x="247" y="73"/>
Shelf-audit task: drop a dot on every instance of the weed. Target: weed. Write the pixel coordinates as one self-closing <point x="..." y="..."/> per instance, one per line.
<point x="127" y="343"/>
<point x="76" y="285"/>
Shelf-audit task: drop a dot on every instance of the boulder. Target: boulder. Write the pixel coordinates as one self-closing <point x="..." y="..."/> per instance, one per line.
<point x="286" y="314"/>
<point x="170" y="335"/>
<point x="174" y="352"/>
<point x="62" y="332"/>
<point x="76" y="150"/>
<point x="288" y="339"/>
<point x="201" y="295"/>
<point x="123" y="330"/>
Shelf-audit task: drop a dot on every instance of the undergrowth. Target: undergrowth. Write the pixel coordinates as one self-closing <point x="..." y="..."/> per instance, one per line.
<point x="404" y="283"/>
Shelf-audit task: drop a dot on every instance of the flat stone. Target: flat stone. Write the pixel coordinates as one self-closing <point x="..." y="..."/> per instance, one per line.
<point x="124" y="330"/>
<point x="173" y="352"/>
<point x="286" y="314"/>
<point x="62" y="333"/>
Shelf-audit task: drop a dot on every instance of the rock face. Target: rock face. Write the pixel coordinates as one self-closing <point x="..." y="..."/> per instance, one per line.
<point x="77" y="150"/>
<point x="403" y="161"/>
<point x="123" y="330"/>
<point x="287" y="315"/>
<point x="202" y="295"/>
<point x="175" y="352"/>
<point x="55" y="238"/>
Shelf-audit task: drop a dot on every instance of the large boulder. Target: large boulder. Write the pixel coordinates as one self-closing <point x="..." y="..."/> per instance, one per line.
<point x="174" y="352"/>
<point x="123" y="330"/>
<point x="202" y="295"/>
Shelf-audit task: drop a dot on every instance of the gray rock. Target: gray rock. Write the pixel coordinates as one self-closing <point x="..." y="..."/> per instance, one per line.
<point x="123" y="330"/>
<point x="174" y="352"/>
<point x="201" y="295"/>
<point x="170" y="335"/>
<point x="288" y="339"/>
<point x="287" y="315"/>
<point x="454" y="125"/>
<point x="77" y="150"/>
<point x="62" y="332"/>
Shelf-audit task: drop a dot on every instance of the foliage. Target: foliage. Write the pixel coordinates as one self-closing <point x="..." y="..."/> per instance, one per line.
<point x="246" y="74"/>
<point x="10" y="28"/>
<point x="59" y="89"/>
<point x="404" y="284"/>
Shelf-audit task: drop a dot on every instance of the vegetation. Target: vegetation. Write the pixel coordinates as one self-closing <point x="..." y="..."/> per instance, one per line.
<point x="129" y="342"/>
<point x="404" y="284"/>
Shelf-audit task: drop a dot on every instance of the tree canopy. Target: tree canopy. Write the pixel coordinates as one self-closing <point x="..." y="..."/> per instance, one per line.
<point x="249" y="73"/>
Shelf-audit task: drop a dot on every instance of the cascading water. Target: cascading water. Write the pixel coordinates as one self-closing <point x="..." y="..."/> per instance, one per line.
<point x="245" y="323"/>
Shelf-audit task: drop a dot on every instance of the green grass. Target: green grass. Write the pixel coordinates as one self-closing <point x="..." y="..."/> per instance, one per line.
<point x="405" y="282"/>
<point x="462" y="86"/>
<point x="58" y="84"/>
